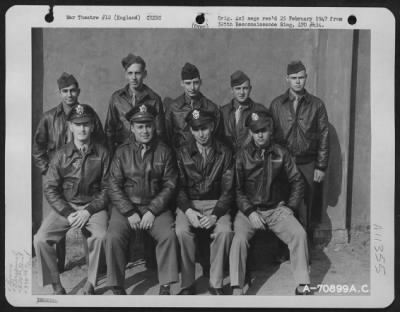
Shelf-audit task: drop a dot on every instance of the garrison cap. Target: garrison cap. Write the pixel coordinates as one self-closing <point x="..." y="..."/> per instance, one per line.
<point x="258" y="120"/>
<point x="295" y="67"/>
<point x="141" y="113"/>
<point x="238" y="77"/>
<point x="189" y="72"/>
<point x="132" y="59"/>
<point x="66" y="80"/>
<point x="81" y="113"/>
<point x="197" y="118"/>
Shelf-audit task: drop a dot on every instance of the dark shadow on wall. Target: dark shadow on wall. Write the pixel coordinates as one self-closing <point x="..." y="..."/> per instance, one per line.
<point x="325" y="196"/>
<point x="37" y="110"/>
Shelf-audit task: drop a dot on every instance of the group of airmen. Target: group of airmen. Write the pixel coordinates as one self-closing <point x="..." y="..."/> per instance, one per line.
<point x="178" y="171"/>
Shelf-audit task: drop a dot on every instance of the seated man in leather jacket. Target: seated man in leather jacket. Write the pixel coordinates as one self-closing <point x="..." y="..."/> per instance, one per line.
<point x="260" y="206"/>
<point x="142" y="182"/>
<point x="75" y="187"/>
<point x="204" y="200"/>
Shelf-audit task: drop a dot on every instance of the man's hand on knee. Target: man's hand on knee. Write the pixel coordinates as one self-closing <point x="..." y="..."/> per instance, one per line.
<point x="134" y="221"/>
<point x="193" y="217"/>
<point x="207" y="222"/>
<point x="257" y="221"/>
<point x="79" y="218"/>
<point x="147" y="221"/>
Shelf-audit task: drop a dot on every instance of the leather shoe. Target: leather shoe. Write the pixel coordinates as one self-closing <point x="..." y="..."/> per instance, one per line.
<point x="237" y="291"/>
<point x="188" y="291"/>
<point x="303" y="290"/>
<point x="215" y="291"/>
<point x="164" y="290"/>
<point x="87" y="290"/>
<point x="118" y="291"/>
<point x="59" y="291"/>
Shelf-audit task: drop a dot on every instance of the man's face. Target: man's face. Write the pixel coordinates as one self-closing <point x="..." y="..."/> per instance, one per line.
<point x="263" y="136"/>
<point x="191" y="86"/>
<point x="143" y="132"/>
<point x="202" y="134"/>
<point x="297" y="81"/>
<point x="69" y="95"/>
<point x="135" y="76"/>
<point x="81" y="130"/>
<point x="242" y="92"/>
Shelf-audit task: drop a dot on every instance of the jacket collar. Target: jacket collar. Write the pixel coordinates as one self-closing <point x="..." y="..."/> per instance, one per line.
<point x="248" y="105"/>
<point x="60" y="109"/>
<point x="183" y="101"/>
<point x="192" y="148"/>
<point x="288" y="96"/>
<point x="71" y="148"/>
<point x="138" y="146"/>
<point x="253" y="148"/>
<point x="144" y="92"/>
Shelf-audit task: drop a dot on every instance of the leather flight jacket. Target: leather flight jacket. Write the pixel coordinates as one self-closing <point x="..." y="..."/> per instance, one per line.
<point x="178" y="132"/>
<point x="305" y="132"/>
<point x="206" y="180"/>
<point x="149" y="182"/>
<point x="237" y="134"/>
<point x="259" y="176"/>
<point x="78" y="178"/>
<point x="51" y="134"/>
<point x="117" y="127"/>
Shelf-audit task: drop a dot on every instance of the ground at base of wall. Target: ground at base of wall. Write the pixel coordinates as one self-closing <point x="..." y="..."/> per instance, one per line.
<point x="332" y="268"/>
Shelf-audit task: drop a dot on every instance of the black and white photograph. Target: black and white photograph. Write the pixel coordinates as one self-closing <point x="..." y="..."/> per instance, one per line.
<point x="235" y="153"/>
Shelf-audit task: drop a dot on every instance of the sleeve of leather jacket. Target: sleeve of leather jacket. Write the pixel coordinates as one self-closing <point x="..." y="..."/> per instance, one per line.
<point x="182" y="199"/>
<point x="111" y="125"/>
<point x="226" y="199"/>
<point x="53" y="188"/>
<point x="295" y="180"/>
<point x="98" y="133"/>
<point x="242" y="201"/>
<point x="160" y="120"/>
<point x="323" y="129"/>
<point x="100" y="200"/>
<point x="219" y="126"/>
<point x="116" y="192"/>
<point x="39" y="146"/>
<point x="169" y="183"/>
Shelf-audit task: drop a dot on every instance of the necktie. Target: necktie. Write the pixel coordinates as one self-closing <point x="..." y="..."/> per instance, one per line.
<point x="133" y="100"/>
<point x="143" y="150"/>
<point x="191" y="103"/>
<point x="296" y="102"/>
<point x="83" y="150"/>
<point x="238" y="113"/>
<point x="263" y="154"/>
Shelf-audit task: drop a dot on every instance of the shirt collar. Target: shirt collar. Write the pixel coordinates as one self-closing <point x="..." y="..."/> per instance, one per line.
<point x="247" y="105"/>
<point x="138" y="146"/>
<point x="193" y="149"/>
<point x="71" y="148"/>
<point x="289" y="96"/>
<point x="139" y="95"/>
<point x="253" y="148"/>
<point x="185" y="100"/>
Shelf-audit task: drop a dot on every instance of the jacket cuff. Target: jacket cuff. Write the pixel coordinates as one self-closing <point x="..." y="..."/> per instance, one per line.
<point x="249" y="211"/>
<point x="67" y="211"/>
<point x="320" y="168"/>
<point x="219" y="211"/>
<point x="90" y="209"/>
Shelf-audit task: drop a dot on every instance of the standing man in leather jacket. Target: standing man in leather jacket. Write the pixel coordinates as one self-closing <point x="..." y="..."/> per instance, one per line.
<point x="178" y="132"/>
<point x="236" y="111"/>
<point x="135" y="93"/>
<point x="204" y="200"/>
<point x="143" y="180"/>
<point x="301" y="125"/>
<point x="258" y="166"/>
<point x="75" y="187"/>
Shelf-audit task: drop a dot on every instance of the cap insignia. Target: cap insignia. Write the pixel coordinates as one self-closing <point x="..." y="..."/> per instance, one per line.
<point x="254" y="116"/>
<point x="196" y="114"/>
<point x="79" y="110"/>
<point x="143" y="109"/>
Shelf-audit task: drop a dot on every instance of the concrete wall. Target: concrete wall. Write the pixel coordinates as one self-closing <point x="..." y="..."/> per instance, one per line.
<point x="360" y="200"/>
<point x="94" y="57"/>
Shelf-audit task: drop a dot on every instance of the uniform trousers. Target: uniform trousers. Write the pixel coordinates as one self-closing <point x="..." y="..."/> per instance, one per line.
<point x="53" y="230"/>
<point x="282" y="222"/>
<point x="221" y="237"/>
<point x="304" y="213"/>
<point x="118" y="237"/>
